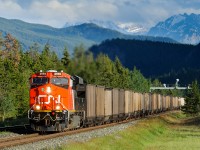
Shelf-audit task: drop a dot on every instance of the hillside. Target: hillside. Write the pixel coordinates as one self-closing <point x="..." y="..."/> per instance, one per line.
<point x="153" y="59"/>
<point x="92" y="32"/>
<point x="169" y="131"/>
<point x="87" y="34"/>
<point x="183" y="28"/>
<point x="28" y="34"/>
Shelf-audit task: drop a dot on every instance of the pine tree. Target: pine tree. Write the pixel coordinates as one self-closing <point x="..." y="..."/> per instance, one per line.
<point x="77" y="64"/>
<point x="192" y="100"/>
<point x="104" y="72"/>
<point x="90" y="69"/>
<point x="46" y="61"/>
<point x="66" y="58"/>
<point x="123" y="75"/>
<point x="138" y="82"/>
<point x="33" y="58"/>
<point x="7" y="89"/>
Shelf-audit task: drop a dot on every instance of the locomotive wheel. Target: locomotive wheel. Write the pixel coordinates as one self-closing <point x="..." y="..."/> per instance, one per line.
<point x="58" y="127"/>
<point x="42" y="132"/>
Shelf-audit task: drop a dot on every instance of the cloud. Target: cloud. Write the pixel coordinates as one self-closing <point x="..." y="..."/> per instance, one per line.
<point x="8" y="8"/>
<point x="57" y="12"/>
<point x="150" y="12"/>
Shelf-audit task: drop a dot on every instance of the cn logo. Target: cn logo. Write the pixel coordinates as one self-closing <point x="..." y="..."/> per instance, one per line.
<point x="49" y="98"/>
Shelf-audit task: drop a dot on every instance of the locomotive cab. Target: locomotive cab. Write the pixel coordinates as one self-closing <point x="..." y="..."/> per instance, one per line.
<point x="52" y="102"/>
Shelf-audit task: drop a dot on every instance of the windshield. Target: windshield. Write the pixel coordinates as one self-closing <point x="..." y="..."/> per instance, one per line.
<point x="39" y="81"/>
<point x="62" y="82"/>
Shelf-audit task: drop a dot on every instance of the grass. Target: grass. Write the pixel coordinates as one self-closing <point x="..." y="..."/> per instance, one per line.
<point x="167" y="132"/>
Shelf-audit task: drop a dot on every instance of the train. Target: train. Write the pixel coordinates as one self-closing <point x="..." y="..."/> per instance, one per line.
<point x="59" y="102"/>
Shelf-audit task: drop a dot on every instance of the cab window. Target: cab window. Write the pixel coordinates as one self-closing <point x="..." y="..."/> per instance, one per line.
<point x="38" y="81"/>
<point x="62" y="82"/>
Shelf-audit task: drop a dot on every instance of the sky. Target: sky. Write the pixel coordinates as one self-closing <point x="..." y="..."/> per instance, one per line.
<point x="56" y="13"/>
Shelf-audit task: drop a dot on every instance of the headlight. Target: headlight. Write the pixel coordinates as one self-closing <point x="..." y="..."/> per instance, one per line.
<point x="37" y="107"/>
<point x="57" y="107"/>
<point x="48" y="90"/>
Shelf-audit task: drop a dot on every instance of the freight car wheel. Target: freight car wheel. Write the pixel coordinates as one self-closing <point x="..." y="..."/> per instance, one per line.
<point x="42" y="132"/>
<point x="82" y="124"/>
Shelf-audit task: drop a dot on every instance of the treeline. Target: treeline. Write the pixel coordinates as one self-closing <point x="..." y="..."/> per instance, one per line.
<point x="153" y="59"/>
<point x="104" y="71"/>
<point x="17" y="65"/>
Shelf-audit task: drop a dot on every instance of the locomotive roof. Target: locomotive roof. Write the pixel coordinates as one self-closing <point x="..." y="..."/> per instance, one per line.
<point x="51" y="73"/>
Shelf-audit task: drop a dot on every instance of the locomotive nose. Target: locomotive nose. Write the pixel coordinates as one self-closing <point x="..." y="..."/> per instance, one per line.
<point x="48" y="89"/>
<point x="44" y="90"/>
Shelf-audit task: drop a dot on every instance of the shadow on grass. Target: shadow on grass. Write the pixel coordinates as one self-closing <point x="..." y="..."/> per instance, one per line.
<point x="19" y="125"/>
<point x="195" y="121"/>
<point x="185" y="121"/>
<point x="21" y="120"/>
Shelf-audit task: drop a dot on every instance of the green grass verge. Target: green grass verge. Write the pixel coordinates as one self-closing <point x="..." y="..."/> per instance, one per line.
<point x="168" y="132"/>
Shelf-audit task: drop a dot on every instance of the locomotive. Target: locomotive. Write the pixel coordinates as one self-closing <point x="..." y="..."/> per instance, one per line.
<point x="52" y="97"/>
<point x="61" y="102"/>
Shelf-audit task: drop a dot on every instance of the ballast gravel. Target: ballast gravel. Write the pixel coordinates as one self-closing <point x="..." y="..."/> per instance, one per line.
<point x="79" y="137"/>
<point x="8" y="135"/>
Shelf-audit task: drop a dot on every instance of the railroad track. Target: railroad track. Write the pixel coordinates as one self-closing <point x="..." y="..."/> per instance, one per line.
<point x="18" y="140"/>
<point x="25" y="139"/>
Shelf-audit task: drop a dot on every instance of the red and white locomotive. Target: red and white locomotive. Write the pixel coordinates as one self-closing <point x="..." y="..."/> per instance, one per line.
<point x="52" y="102"/>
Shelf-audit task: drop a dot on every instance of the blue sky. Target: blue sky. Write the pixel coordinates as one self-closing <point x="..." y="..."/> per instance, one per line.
<point x="57" y="12"/>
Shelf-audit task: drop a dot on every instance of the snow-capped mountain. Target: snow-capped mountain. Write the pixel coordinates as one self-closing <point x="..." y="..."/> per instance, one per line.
<point x="126" y="28"/>
<point x="131" y="28"/>
<point x="183" y="28"/>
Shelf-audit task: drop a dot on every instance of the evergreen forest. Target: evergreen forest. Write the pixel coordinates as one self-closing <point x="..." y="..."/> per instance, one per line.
<point x="165" y="61"/>
<point x="17" y="65"/>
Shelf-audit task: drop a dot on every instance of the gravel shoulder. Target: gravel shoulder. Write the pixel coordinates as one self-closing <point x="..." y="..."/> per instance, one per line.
<point x="8" y="134"/>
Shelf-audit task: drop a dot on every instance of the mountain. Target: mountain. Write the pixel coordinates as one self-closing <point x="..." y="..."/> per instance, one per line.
<point x="98" y="34"/>
<point x="154" y="59"/>
<point x="88" y="34"/>
<point x="28" y="34"/>
<point x="93" y="32"/>
<point x="125" y="28"/>
<point x="183" y="28"/>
